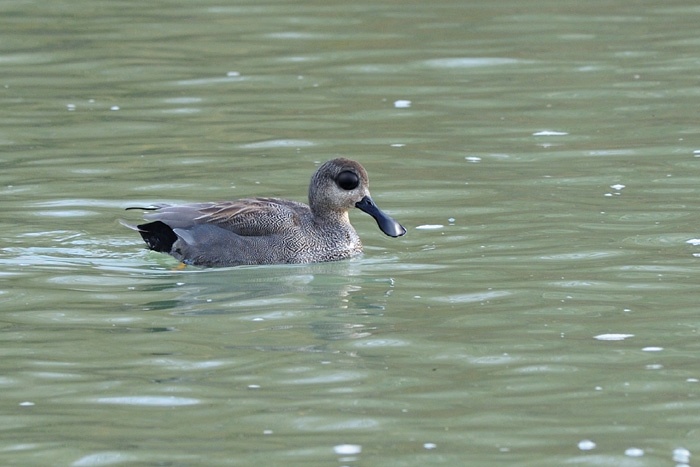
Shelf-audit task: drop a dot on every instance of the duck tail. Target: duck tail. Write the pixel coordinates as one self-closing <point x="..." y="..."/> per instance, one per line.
<point x="157" y="235"/>
<point x="142" y="208"/>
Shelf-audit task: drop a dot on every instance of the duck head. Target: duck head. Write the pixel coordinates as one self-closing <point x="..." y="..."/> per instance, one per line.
<point x="342" y="184"/>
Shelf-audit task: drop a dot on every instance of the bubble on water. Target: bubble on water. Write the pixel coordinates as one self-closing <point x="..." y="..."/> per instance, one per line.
<point x="430" y="226"/>
<point x="550" y="133"/>
<point x="652" y="349"/>
<point x="618" y="186"/>
<point x="346" y="449"/>
<point x="612" y="337"/>
<point x="429" y="445"/>
<point x="681" y="455"/>
<point x="693" y="241"/>
<point x="402" y="104"/>
<point x="634" y="452"/>
<point x="586" y="445"/>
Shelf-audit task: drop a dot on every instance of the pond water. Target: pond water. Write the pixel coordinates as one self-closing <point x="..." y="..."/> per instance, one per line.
<point x="542" y="309"/>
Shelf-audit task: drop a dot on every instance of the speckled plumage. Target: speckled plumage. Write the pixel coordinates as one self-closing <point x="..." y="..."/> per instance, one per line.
<point x="270" y="230"/>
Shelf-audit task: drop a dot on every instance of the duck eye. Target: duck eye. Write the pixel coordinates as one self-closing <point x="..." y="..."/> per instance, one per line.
<point x="347" y="180"/>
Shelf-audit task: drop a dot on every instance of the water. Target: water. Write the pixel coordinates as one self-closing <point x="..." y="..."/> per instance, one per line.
<point x="540" y="311"/>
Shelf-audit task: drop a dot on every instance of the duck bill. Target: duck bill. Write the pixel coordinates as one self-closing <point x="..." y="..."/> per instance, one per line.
<point x="387" y="225"/>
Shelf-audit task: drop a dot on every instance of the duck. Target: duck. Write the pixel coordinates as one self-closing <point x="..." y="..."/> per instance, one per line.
<point x="263" y="230"/>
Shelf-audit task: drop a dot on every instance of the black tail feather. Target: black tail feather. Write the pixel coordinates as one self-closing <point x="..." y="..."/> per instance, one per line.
<point x="158" y="236"/>
<point x="150" y="208"/>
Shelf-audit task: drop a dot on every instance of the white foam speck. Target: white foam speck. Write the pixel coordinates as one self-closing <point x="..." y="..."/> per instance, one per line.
<point x="473" y="159"/>
<point x="617" y="186"/>
<point x="429" y="445"/>
<point x="693" y="241"/>
<point x="634" y="452"/>
<point x="26" y="404"/>
<point x="681" y="455"/>
<point x="652" y="349"/>
<point x="402" y="104"/>
<point x="586" y="445"/>
<point x="346" y="449"/>
<point x="397" y="145"/>
<point x="550" y="133"/>
<point x="612" y="337"/>
<point x="430" y="226"/>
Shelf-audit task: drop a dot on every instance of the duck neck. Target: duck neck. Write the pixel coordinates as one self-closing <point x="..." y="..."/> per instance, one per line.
<point x="334" y="218"/>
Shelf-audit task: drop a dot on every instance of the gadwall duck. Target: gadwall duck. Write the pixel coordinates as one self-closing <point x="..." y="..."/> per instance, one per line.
<point x="270" y="230"/>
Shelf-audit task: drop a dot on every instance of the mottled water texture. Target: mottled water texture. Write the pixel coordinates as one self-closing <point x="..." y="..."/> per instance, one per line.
<point x="542" y="309"/>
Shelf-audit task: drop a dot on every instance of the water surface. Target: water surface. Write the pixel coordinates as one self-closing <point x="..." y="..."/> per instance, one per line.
<point x="542" y="309"/>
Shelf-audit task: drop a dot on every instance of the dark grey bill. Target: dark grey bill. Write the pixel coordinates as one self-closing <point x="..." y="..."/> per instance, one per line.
<point x="388" y="225"/>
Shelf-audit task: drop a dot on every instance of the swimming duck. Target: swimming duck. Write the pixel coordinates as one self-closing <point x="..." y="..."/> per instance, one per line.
<point x="270" y="230"/>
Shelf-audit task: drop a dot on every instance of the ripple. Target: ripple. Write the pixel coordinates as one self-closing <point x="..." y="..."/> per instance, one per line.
<point x="183" y="100"/>
<point x="279" y="143"/>
<point x="470" y="62"/>
<point x="152" y="401"/>
<point x="335" y="377"/>
<point x="381" y="343"/>
<point x="474" y="297"/>
<point x="582" y="255"/>
<point x="326" y="424"/>
<point x="65" y="213"/>
<point x="103" y="458"/>
<point x="213" y="80"/>
<point x="657" y="240"/>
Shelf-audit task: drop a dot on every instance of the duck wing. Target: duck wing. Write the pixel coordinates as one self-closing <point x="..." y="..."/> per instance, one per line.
<point x="247" y="217"/>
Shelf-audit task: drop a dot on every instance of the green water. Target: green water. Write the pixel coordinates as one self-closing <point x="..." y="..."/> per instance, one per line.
<point x="542" y="309"/>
